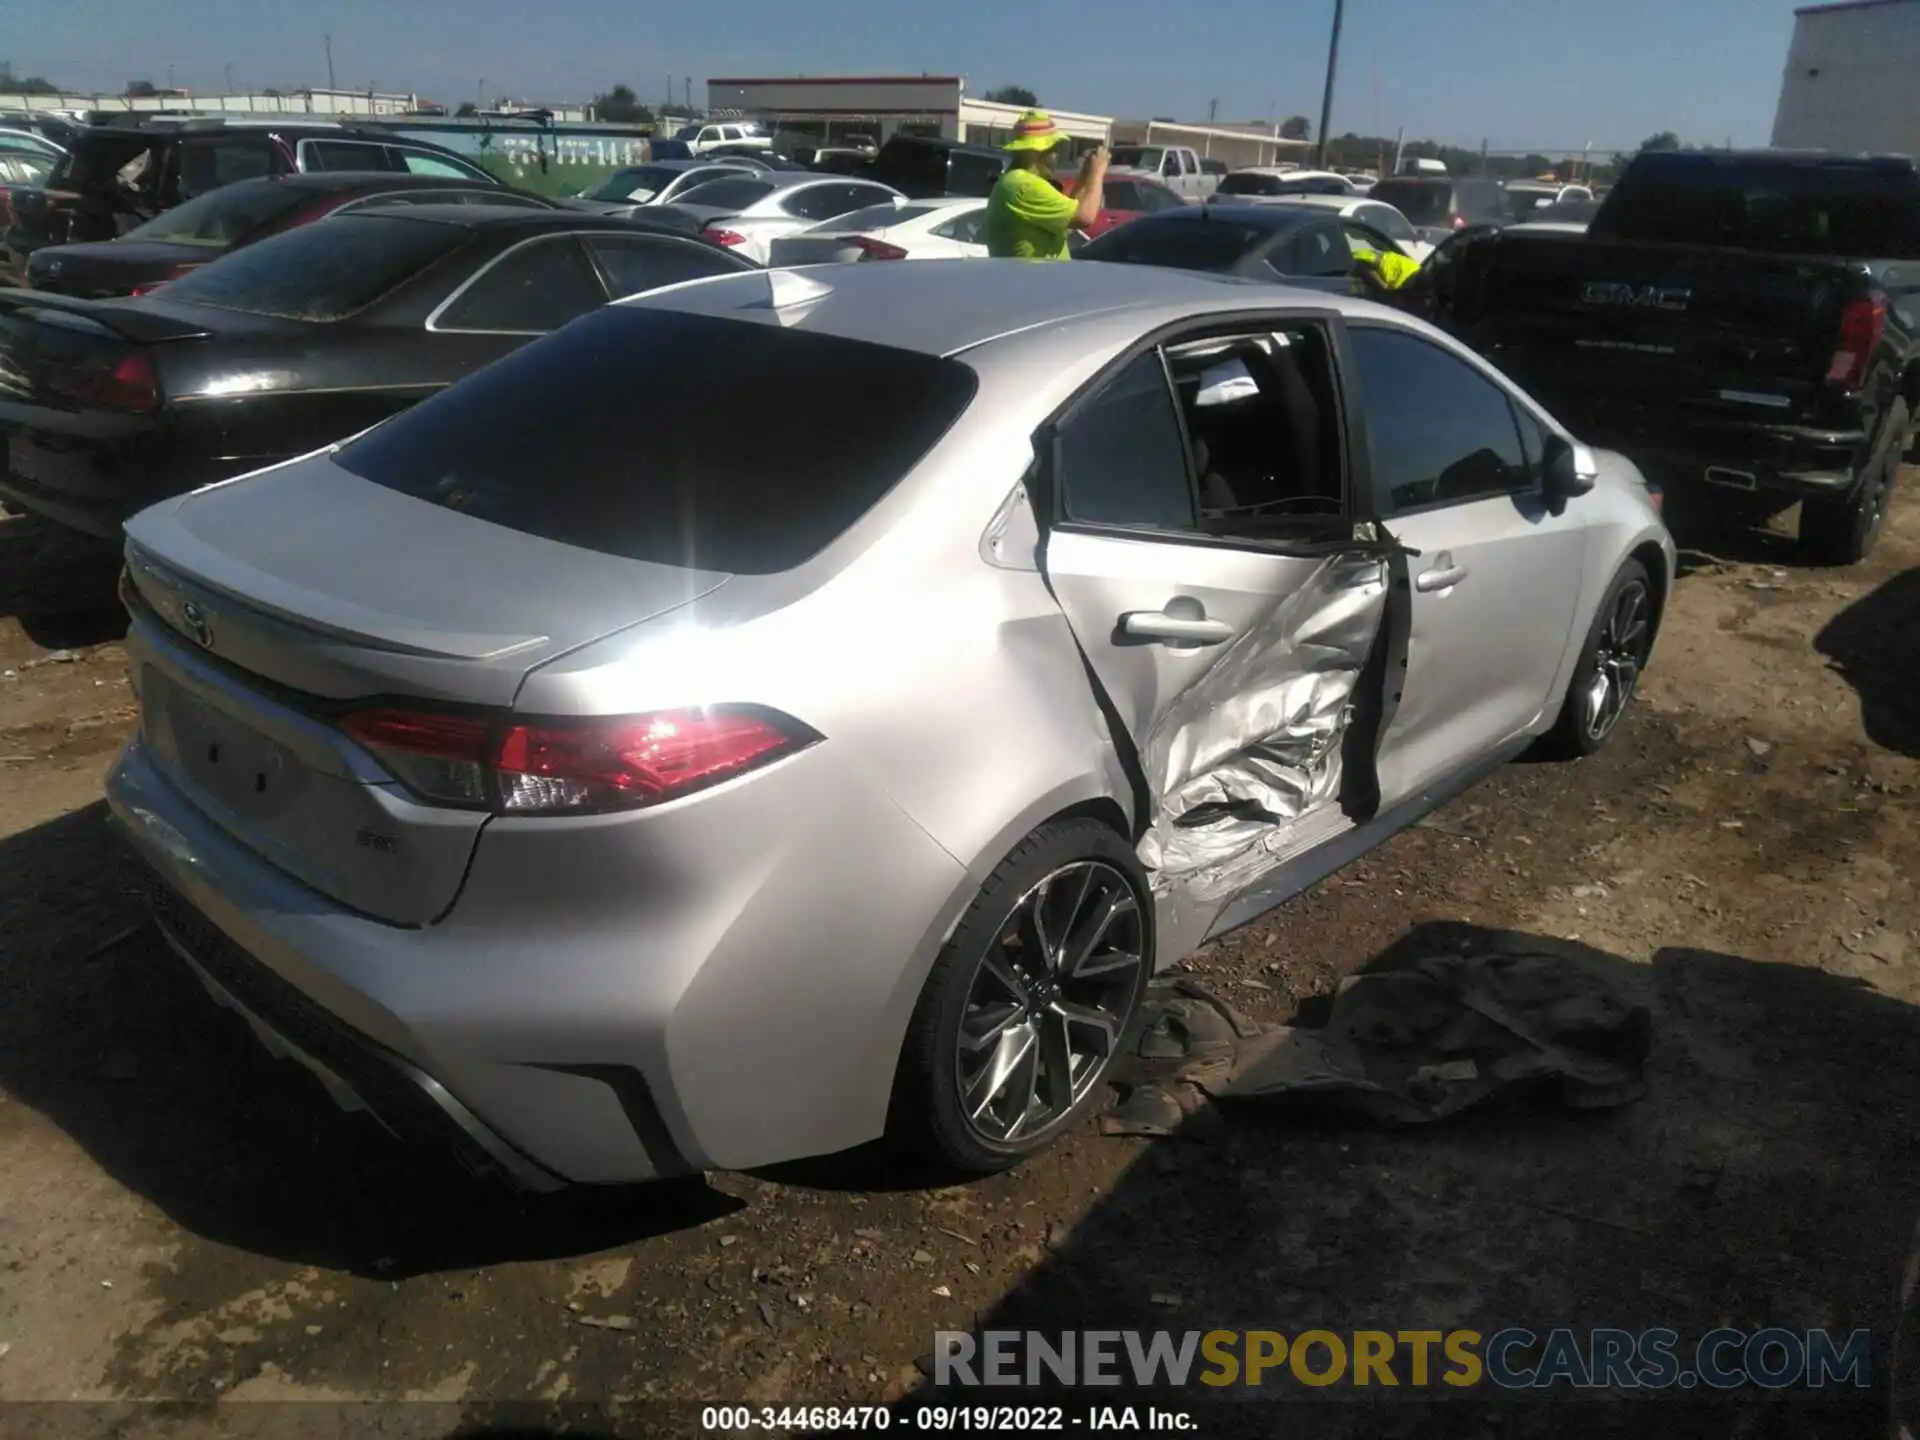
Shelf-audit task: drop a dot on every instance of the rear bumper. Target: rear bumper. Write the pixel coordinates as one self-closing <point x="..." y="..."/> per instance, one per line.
<point x="722" y="992"/>
<point x="1677" y="448"/>
<point x="96" y="484"/>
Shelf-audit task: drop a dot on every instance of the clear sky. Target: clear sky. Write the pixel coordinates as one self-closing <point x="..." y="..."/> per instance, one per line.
<point x="1515" y="73"/>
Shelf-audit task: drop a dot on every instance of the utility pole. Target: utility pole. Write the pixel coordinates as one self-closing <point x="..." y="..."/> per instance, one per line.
<point x="229" y="77"/>
<point x="480" y="94"/>
<point x="329" y="62"/>
<point x="1326" y="95"/>
<point x="688" y="80"/>
<point x="1213" y="109"/>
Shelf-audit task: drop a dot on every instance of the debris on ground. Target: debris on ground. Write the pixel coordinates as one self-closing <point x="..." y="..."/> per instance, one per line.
<point x="1406" y="1045"/>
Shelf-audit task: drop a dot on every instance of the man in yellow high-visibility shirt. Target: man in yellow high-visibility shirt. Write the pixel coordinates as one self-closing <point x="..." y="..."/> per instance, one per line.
<point x="1027" y="216"/>
<point x="1382" y="270"/>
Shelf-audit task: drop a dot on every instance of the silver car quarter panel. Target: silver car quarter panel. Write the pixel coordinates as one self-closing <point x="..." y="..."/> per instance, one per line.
<point x="729" y="975"/>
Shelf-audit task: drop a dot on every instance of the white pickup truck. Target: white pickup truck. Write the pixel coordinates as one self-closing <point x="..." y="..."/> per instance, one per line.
<point x="1175" y="166"/>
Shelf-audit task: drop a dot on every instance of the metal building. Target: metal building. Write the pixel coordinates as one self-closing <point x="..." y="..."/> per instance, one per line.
<point x="877" y="107"/>
<point x="1852" y="79"/>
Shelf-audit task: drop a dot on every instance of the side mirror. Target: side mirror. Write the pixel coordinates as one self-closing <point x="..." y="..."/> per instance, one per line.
<point x="1566" y="469"/>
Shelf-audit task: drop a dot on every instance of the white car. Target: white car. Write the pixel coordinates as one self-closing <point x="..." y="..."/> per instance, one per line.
<point x="1374" y="215"/>
<point x="747" y="213"/>
<point x="949" y="228"/>
<point x="1282" y="182"/>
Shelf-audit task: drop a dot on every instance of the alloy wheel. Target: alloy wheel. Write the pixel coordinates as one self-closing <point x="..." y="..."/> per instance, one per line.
<point x="1049" y="1002"/>
<point x="1617" y="660"/>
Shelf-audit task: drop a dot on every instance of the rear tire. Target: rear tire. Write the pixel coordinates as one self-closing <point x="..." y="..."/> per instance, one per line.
<point x="1028" y="1003"/>
<point x="1842" y="531"/>
<point x="1607" y="675"/>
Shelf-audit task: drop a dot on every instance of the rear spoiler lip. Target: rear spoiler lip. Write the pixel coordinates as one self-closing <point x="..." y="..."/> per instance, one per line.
<point x="140" y="326"/>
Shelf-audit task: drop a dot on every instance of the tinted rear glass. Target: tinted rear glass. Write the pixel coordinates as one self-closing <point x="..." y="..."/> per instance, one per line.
<point x="725" y="194"/>
<point x="680" y="489"/>
<point x="1195" y="243"/>
<point x="623" y="184"/>
<point x="1424" y="203"/>
<point x="1245" y="184"/>
<point x="223" y="216"/>
<point x="1785" y="209"/>
<point x="320" y="272"/>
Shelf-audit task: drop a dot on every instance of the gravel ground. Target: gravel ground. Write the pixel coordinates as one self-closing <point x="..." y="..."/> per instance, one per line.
<point x="183" y="1219"/>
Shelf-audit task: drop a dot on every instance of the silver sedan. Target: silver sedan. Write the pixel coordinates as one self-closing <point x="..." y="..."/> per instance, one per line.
<point x="697" y="783"/>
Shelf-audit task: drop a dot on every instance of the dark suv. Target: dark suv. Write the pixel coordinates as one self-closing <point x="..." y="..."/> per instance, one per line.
<point x="115" y="176"/>
<point x="924" y="167"/>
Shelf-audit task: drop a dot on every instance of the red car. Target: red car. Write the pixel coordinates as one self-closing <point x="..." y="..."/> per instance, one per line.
<point x="1128" y="197"/>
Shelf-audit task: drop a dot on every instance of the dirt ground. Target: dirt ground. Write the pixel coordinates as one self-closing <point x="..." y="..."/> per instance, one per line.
<point x="184" y="1219"/>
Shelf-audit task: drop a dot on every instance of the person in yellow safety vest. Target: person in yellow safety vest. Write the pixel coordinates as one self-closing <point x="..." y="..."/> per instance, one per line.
<point x="1027" y="215"/>
<point x="1386" y="269"/>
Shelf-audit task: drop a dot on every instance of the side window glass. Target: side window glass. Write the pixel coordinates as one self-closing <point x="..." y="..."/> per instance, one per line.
<point x="207" y="166"/>
<point x="1188" y="163"/>
<point x="1154" y="198"/>
<point x="634" y="265"/>
<point x="531" y="290"/>
<point x="969" y="229"/>
<point x="419" y="162"/>
<point x="1263" y="427"/>
<point x="1318" y="250"/>
<point x="1120" y="195"/>
<point x="345" y="155"/>
<point x="1438" y="430"/>
<point x="823" y="202"/>
<point x="1121" y="459"/>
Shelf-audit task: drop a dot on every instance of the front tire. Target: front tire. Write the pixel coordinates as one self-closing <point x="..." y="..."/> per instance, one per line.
<point x="1608" y="672"/>
<point x="1028" y="1003"/>
<point x="1842" y="531"/>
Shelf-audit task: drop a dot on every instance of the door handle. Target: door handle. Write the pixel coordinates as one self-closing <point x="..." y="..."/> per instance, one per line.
<point x="1158" y="625"/>
<point x="1443" y="576"/>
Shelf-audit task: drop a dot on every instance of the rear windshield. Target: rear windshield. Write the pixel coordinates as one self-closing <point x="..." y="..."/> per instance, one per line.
<point x="1785" y="209"/>
<point x="1242" y="183"/>
<point x="1138" y="157"/>
<point x="726" y="194"/>
<point x="745" y="498"/>
<point x="1186" y="243"/>
<point x="879" y="217"/>
<point x="1422" y="202"/>
<point x="93" y="163"/>
<point x="640" y="184"/>
<point x="320" y="272"/>
<point x="221" y="217"/>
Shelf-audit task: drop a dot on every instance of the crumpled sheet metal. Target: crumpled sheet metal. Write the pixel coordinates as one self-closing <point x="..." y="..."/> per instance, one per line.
<point x="1403" y="1046"/>
<point x="1254" y="743"/>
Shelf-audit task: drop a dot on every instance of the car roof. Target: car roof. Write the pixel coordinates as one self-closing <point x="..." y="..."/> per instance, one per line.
<point x="322" y="182"/>
<point x="510" y="217"/>
<point x="1276" y="214"/>
<point x="1321" y="202"/>
<point x="945" y="309"/>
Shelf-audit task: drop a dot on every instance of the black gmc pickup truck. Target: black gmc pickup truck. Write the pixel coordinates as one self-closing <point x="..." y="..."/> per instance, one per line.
<point x="1744" y="325"/>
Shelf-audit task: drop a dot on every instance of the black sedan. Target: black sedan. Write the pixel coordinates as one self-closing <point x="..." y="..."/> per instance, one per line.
<point x="296" y="342"/>
<point x="190" y="235"/>
<point x="1283" y="243"/>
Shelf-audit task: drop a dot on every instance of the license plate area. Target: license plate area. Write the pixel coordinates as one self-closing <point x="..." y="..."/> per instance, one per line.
<point x="248" y="773"/>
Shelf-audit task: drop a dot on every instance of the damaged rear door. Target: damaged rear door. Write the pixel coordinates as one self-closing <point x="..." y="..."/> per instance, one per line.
<point x="1202" y="547"/>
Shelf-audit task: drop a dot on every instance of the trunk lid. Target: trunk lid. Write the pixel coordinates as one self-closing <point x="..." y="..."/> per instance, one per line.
<point x="1578" y="319"/>
<point x="110" y="268"/>
<point x="57" y="353"/>
<point x="273" y="605"/>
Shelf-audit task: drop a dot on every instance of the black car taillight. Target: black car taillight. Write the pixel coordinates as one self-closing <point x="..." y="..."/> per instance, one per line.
<point x="130" y="385"/>
<point x="566" y="766"/>
<point x="1861" y="324"/>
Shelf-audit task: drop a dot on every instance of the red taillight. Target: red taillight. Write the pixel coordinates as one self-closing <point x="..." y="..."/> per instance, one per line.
<point x="1860" y="326"/>
<point x="572" y="766"/>
<point x="871" y="249"/>
<point x="726" y="237"/>
<point x="128" y="386"/>
<point x="442" y="757"/>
